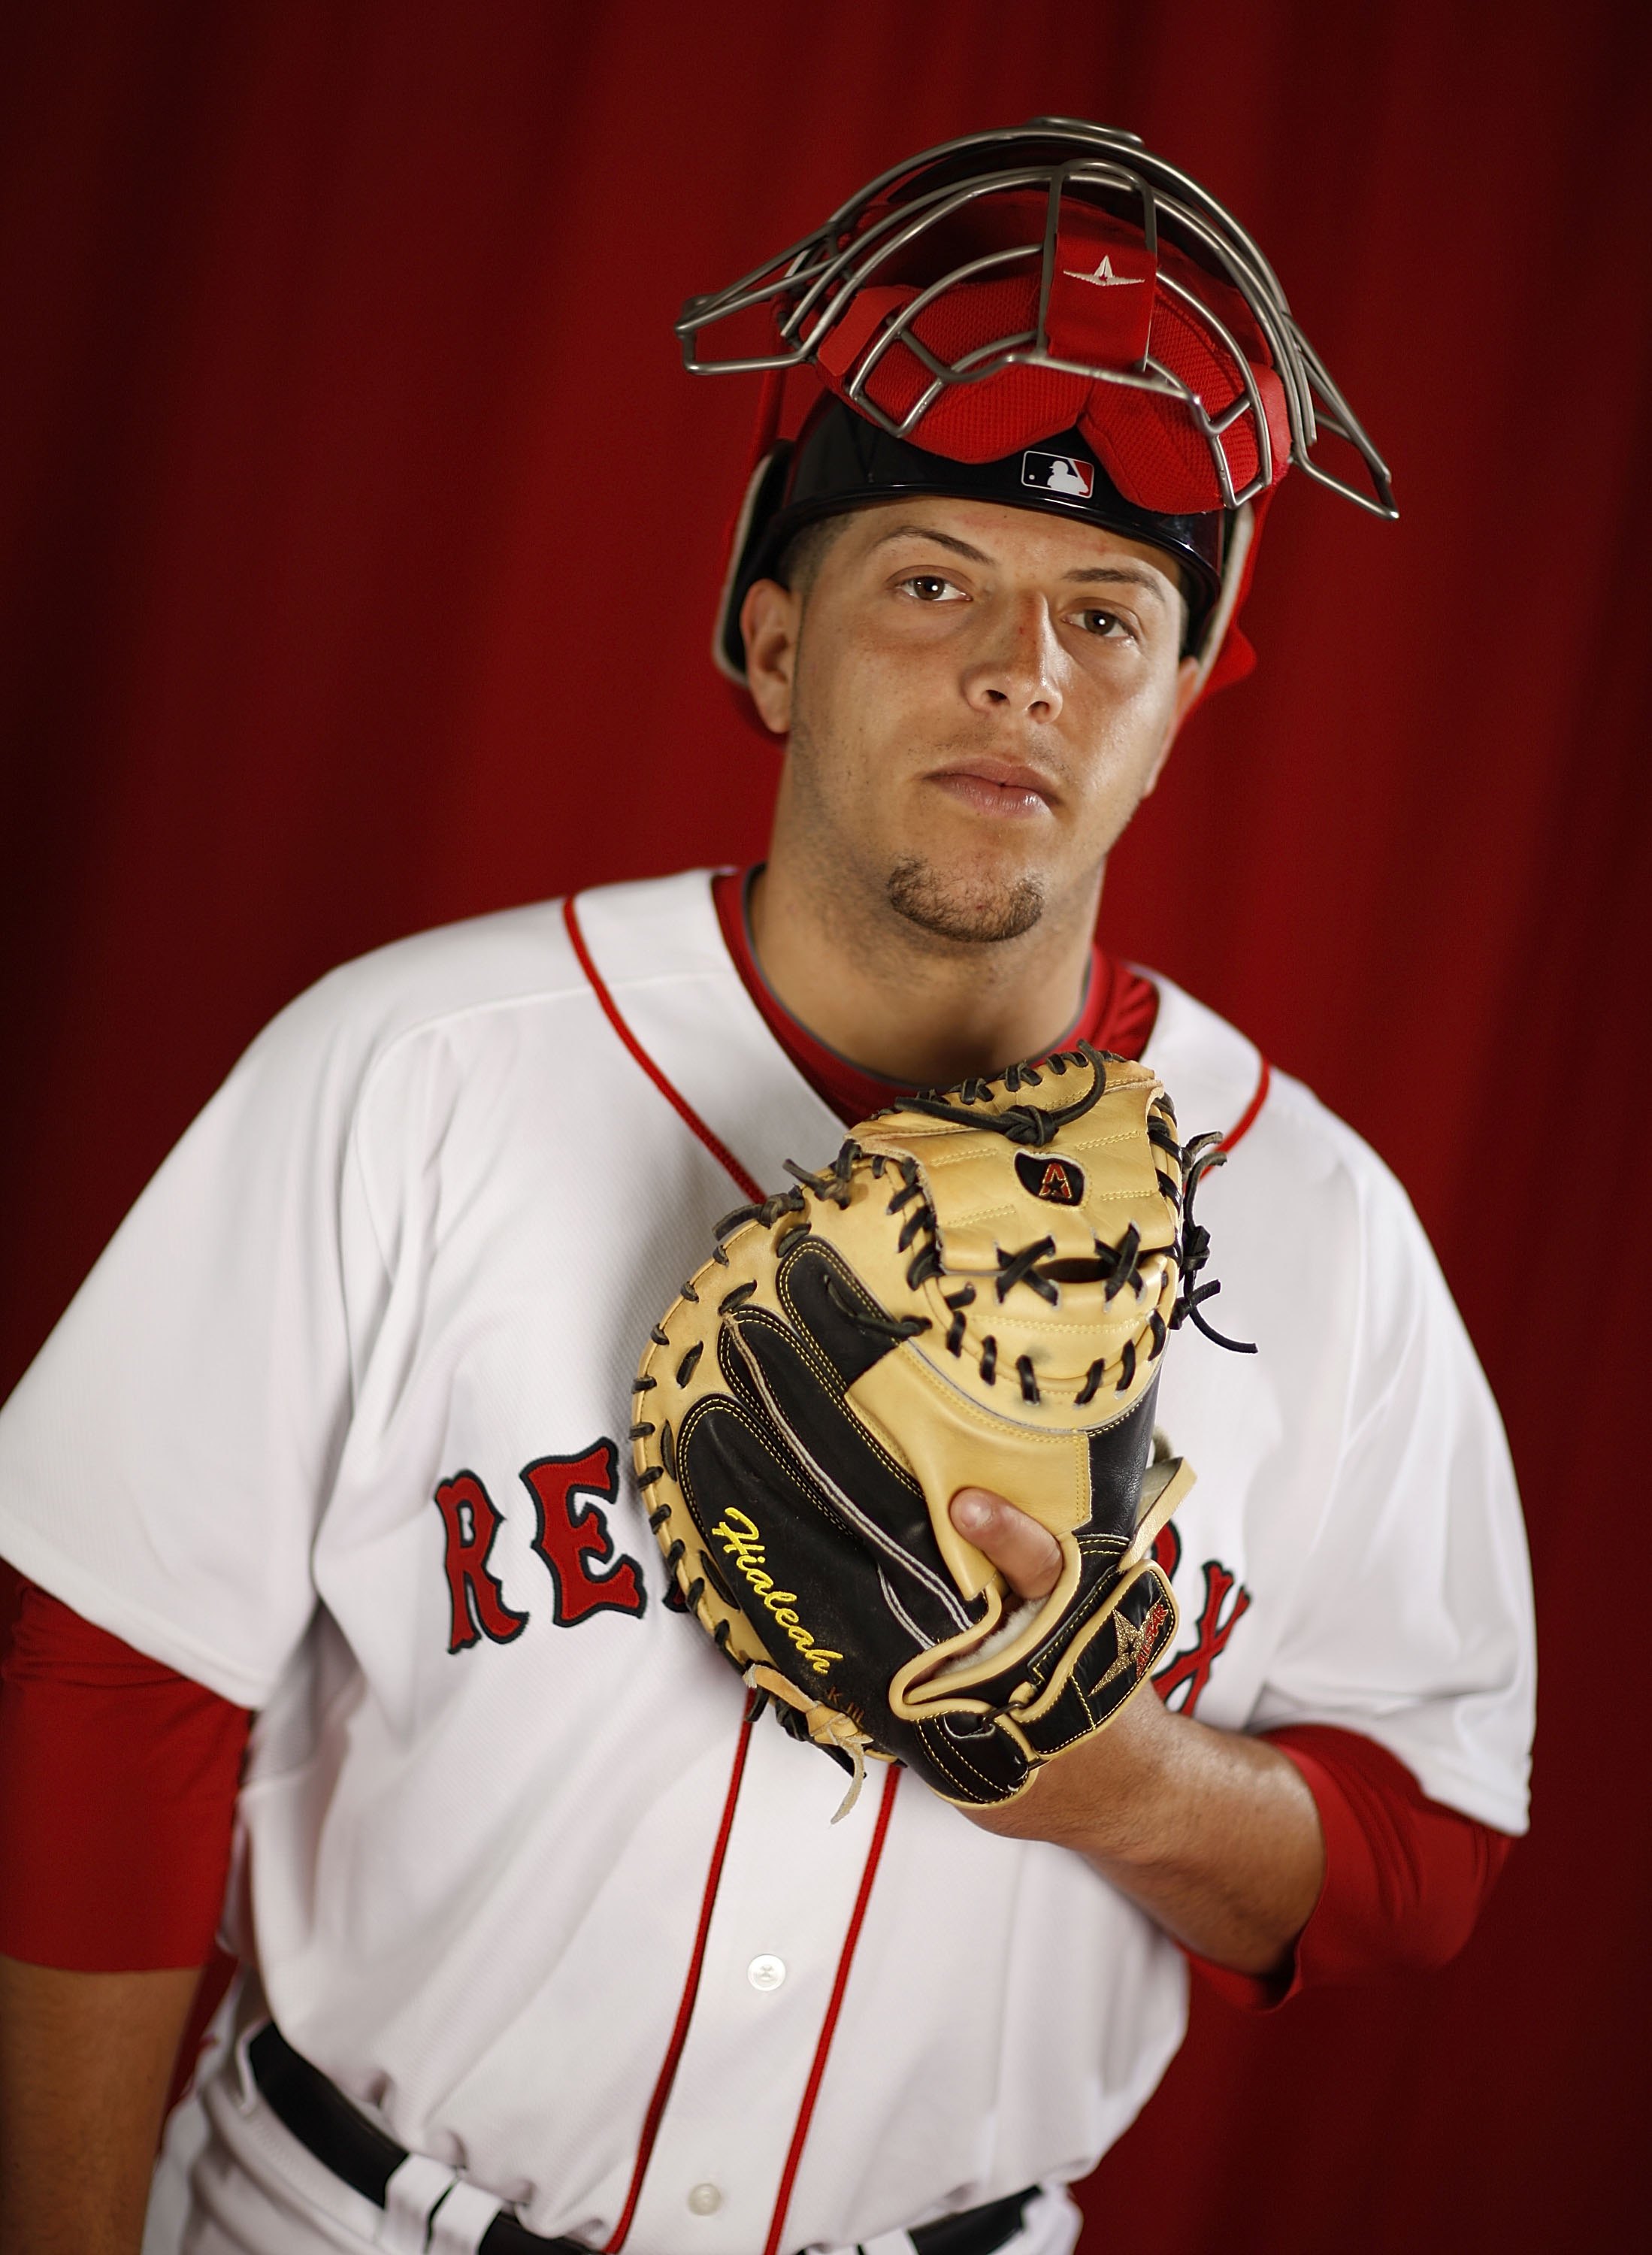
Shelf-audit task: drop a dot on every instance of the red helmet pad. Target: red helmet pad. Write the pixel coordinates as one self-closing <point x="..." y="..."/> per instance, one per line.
<point x="1113" y="303"/>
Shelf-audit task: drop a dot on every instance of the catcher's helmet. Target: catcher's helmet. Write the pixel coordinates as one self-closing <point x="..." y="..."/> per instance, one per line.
<point x="1047" y="316"/>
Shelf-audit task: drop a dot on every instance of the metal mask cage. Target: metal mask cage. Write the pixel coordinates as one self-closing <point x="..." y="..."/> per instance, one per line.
<point x="811" y="286"/>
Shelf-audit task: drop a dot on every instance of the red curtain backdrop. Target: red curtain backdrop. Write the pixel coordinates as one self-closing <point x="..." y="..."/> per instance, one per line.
<point x="358" y="537"/>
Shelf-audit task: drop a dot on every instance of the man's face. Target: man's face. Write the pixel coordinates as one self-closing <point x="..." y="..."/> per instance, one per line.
<point x="977" y="698"/>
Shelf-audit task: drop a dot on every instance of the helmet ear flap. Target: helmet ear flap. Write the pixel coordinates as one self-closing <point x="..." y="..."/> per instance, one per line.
<point x="765" y="491"/>
<point x="1220" y="632"/>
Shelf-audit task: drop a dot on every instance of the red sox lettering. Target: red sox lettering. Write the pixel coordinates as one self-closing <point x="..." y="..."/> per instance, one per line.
<point x="1192" y="1667"/>
<point x="469" y="1522"/>
<point x="572" y="1541"/>
<point x="564" y="1538"/>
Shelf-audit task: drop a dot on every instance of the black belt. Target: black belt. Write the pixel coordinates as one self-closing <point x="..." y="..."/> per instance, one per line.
<point x="343" y="2140"/>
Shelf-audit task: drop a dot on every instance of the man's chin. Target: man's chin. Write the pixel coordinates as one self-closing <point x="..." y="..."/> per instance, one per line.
<point x="976" y="911"/>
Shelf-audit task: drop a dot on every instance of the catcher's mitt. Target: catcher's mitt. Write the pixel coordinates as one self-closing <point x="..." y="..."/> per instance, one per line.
<point x="976" y="1293"/>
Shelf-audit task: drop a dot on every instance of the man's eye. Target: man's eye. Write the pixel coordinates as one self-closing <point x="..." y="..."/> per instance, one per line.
<point x="929" y="587"/>
<point x="1102" y="622"/>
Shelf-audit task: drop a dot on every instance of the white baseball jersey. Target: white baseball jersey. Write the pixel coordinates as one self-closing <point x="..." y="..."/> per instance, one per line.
<point x="338" y="1425"/>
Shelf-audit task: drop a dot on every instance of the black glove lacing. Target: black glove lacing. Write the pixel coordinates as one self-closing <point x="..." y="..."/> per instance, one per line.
<point x="1030" y="1124"/>
<point x="1203" y="1154"/>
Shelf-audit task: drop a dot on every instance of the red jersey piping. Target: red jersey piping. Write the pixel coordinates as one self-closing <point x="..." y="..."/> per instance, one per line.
<point x="691" y="1990"/>
<point x="829" y="2026"/>
<point x="1247" y="1119"/>
<point x="679" y="1103"/>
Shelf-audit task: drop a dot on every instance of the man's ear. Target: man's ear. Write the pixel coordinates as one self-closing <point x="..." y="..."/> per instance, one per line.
<point x="1186" y="691"/>
<point x="768" y="620"/>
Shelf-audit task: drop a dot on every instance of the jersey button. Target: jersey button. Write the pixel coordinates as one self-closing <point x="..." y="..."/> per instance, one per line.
<point x="766" y="1973"/>
<point x="704" y="2199"/>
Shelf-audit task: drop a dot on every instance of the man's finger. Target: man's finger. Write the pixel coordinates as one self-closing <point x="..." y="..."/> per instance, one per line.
<point x="1026" y="1554"/>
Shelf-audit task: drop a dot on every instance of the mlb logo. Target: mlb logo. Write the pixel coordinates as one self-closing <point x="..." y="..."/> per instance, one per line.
<point x="1058" y="473"/>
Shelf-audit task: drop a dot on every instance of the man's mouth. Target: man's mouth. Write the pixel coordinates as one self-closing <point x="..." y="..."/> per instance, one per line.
<point x="1005" y="788"/>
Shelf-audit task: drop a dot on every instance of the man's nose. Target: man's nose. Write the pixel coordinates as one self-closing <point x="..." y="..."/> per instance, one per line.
<point x="1017" y="669"/>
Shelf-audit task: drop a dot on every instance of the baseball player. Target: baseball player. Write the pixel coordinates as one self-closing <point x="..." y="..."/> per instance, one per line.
<point x="547" y="1937"/>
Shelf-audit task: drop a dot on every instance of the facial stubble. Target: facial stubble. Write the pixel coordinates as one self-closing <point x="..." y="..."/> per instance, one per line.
<point x="979" y="913"/>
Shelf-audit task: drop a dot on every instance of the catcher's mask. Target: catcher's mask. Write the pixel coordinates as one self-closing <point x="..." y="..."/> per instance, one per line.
<point x="1047" y="316"/>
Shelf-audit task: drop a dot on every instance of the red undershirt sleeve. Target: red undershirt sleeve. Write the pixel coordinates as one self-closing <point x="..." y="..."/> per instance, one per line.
<point x="117" y="1792"/>
<point x="1405" y="1876"/>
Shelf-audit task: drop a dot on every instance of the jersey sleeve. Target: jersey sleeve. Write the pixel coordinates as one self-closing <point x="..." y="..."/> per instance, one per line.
<point x="166" y="1460"/>
<point x="1411" y="1621"/>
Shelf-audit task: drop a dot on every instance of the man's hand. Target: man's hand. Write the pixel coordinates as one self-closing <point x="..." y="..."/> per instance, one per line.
<point x="1213" y="1834"/>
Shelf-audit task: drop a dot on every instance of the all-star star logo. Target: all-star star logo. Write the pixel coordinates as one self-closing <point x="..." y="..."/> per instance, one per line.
<point x="1137" y="1648"/>
<point x="1104" y="277"/>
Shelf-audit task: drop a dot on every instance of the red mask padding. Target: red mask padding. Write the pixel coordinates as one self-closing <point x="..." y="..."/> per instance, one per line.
<point x="1103" y="315"/>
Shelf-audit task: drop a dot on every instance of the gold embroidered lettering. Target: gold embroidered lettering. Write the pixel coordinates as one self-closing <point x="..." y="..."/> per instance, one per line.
<point x="742" y="1538"/>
